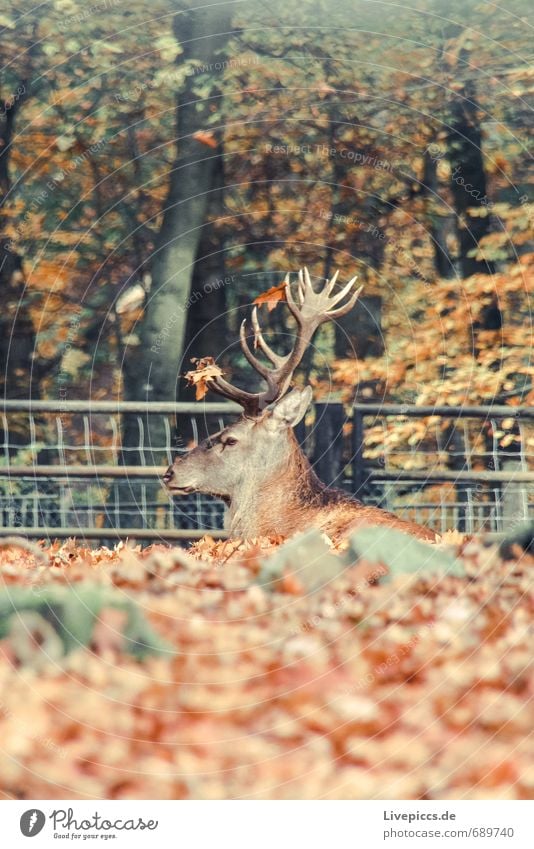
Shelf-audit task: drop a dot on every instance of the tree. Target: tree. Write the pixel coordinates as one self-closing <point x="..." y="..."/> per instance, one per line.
<point x="17" y="338"/>
<point x="153" y="364"/>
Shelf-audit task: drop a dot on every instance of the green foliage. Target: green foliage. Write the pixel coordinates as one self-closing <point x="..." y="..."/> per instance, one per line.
<point x="71" y="615"/>
<point x="309" y="558"/>
<point x="317" y="564"/>
<point x="402" y="554"/>
<point x="520" y="539"/>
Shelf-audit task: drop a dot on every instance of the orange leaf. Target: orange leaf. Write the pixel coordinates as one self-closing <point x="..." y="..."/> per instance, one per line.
<point x="204" y="371"/>
<point x="272" y="296"/>
<point x="205" y="137"/>
<point x="289" y="584"/>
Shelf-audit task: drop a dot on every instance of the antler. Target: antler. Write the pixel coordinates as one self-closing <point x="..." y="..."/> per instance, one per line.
<point x="310" y="309"/>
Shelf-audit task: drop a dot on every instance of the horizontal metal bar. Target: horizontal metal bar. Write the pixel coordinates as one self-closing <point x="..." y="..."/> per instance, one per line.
<point x="220" y="408"/>
<point x="149" y="407"/>
<point x="151" y="533"/>
<point x="128" y="472"/>
<point x="461" y="412"/>
<point x="229" y="408"/>
<point x="448" y="475"/>
<point x="103" y="471"/>
<point x="120" y="533"/>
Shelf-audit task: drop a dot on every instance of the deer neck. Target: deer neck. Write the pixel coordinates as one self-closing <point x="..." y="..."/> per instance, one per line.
<point x="274" y="504"/>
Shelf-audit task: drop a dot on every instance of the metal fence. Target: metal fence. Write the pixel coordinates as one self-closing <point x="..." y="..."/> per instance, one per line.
<point x="470" y="468"/>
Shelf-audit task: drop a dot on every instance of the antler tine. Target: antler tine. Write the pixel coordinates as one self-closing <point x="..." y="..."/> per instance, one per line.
<point x="260" y="340"/>
<point x="348" y="306"/>
<point x="331" y="283"/>
<point x="301" y="286"/>
<point x="307" y="279"/>
<point x="294" y="310"/>
<point x="345" y="291"/>
<point x="254" y="361"/>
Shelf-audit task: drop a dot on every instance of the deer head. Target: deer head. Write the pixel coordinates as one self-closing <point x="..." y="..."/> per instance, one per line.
<point x="238" y="463"/>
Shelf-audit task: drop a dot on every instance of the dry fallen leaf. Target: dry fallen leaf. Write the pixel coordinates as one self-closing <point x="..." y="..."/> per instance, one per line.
<point x="205" y="137"/>
<point x="272" y="296"/>
<point x="361" y="689"/>
<point x="206" y="370"/>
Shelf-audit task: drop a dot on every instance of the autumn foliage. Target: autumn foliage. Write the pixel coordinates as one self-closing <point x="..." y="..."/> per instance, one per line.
<point x="327" y="164"/>
<point x="413" y="687"/>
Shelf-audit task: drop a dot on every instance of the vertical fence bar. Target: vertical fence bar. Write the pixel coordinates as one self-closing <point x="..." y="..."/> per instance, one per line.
<point x="358" y="466"/>
<point x="5" y="444"/>
<point x="115" y="439"/>
<point x="141" y="441"/>
<point x="33" y="438"/>
<point x="60" y="444"/>
<point x="301" y="432"/>
<point x="514" y="499"/>
<point x="116" y="507"/>
<point x="87" y="442"/>
<point x="36" y="508"/>
<point x="455" y="448"/>
<point x="328" y="453"/>
<point x="168" y="439"/>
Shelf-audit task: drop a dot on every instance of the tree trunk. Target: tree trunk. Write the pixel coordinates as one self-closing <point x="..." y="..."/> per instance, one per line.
<point x="438" y="223"/>
<point x="153" y="366"/>
<point x="206" y="332"/>
<point x="206" y="326"/>
<point x="358" y="333"/>
<point x="468" y="182"/>
<point x="18" y="377"/>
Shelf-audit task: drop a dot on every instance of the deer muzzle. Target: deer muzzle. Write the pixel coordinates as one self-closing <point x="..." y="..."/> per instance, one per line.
<point x="171" y="484"/>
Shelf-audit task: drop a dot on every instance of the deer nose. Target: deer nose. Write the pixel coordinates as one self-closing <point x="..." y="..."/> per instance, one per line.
<point x="169" y="474"/>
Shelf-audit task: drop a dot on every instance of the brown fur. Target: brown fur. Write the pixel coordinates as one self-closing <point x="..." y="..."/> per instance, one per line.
<point x="294" y="498"/>
<point x="258" y="468"/>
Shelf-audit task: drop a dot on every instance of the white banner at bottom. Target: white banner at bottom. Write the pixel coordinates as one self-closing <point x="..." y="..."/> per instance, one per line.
<point x="268" y="824"/>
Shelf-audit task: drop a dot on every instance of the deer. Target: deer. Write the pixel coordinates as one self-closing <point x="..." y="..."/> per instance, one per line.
<point x="255" y="465"/>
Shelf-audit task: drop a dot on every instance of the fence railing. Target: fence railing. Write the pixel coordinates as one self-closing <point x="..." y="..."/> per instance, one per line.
<point x="474" y="465"/>
<point x="62" y="463"/>
<point x="64" y="472"/>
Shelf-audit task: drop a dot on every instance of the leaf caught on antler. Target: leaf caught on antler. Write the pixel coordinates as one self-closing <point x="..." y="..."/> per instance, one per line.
<point x="205" y="137"/>
<point x="272" y="296"/>
<point x="205" y="370"/>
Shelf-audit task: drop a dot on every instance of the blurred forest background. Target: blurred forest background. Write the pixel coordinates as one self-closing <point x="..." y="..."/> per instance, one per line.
<point x="163" y="164"/>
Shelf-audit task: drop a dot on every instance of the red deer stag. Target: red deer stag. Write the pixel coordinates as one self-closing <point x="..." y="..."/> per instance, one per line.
<point x="256" y="465"/>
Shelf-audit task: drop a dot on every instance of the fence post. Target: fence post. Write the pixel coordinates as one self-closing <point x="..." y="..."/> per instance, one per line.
<point x="457" y="460"/>
<point x="358" y="465"/>
<point x="514" y="499"/>
<point x="328" y="452"/>
<point x="301" y="433"/>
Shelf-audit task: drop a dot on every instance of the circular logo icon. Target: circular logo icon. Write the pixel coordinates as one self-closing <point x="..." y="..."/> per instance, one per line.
<point x="32" y="822"/>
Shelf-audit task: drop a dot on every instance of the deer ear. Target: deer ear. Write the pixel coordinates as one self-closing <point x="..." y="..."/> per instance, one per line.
<point x="291" y="408"/>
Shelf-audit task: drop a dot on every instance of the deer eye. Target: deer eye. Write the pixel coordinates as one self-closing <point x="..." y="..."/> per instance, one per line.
<point x="231" y="441"/>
